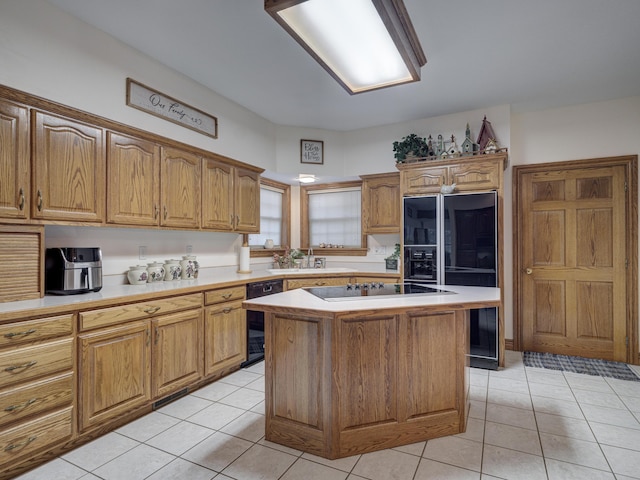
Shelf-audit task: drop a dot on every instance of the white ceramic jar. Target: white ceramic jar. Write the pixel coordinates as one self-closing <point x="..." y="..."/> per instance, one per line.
<point x="137" y="275"/>
<point x="172" y="270"/>
<point x="189" y="267"/>
<point x="155" y="271"/>
<point x="268" y="243"/>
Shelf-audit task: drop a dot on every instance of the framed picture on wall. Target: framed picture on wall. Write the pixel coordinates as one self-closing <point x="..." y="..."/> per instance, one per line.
<point x="312" y="151"/>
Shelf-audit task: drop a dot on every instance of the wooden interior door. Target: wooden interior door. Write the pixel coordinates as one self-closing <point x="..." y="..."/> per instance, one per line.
<point x="574" y="241"/>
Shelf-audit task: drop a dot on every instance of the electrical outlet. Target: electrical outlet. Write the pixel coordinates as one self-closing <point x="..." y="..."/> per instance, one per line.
<point x="380" y="250"/>
<point x="142" y="252"/>
<point x="189" y="249"/>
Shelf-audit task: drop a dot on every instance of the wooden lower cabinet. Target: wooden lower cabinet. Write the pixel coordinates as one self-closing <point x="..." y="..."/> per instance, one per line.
<point x="36" y="388"/>
<point x="177" y="351"/>
<point x="225" y="333"/>
<point x="115" y="372"/>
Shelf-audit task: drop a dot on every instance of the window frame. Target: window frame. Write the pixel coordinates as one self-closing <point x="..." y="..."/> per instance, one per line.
<point x="260" y="251"/>
<point x="304" y="221"/>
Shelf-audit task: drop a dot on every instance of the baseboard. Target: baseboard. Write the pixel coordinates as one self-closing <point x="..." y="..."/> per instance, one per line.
<point x="508" y="344"/>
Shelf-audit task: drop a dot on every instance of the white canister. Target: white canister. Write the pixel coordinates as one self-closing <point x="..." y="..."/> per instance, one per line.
<point x="137" y="275"/>
<point x="155" y="271"/>
<point x="172" y="270"/>
<point x="189" y="267"/>
<point x="268" y="243"/>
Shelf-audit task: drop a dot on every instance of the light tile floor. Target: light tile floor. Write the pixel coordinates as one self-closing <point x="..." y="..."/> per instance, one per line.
<point x="525" y="423"/>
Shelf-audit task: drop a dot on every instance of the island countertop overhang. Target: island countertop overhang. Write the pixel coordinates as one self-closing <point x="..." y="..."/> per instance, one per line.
<point x="457" y="297"/>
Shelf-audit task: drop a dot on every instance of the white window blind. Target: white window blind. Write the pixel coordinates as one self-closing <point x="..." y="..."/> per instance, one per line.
<point x="334" y="217"/>
<point x="270" y="217"/>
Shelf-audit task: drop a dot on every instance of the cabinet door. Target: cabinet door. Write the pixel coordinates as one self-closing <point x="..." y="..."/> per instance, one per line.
<point x="381" y="204"/>
<point x="68" y="170"/>
<point x="114" y="371"/>
<point x="14" y="161"/>
<point x="180" y="189"/>
<point x="247" y="201"/>
<point x="476" y="176"/>
<point x="225" y="334"/>
<point x="177" y="351"/>
<point x="217" y="195"/>
<point x="133" y="182"/>
<point x="423" y="180"/>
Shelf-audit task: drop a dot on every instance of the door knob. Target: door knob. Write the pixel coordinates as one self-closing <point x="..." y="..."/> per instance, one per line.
<point x="529" y="271"/>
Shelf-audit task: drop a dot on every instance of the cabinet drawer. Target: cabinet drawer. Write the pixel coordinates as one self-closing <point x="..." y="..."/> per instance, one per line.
<point x="315" y="282"/>
<point x="22" y="440"/>
<point x="23" y="364"/>
<point x="224" y="295"/>
<point x="19" y="333"/>
<point x="135" y="311"/>
<point x="34" y="398"/>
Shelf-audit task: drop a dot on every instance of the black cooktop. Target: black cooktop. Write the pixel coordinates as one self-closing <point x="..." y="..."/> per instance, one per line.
<point x="359" y="291"/>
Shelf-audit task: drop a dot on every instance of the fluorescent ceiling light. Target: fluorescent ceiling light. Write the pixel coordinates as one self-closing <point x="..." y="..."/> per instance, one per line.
<point x="305" y="178"/>
<point x="363" y="44"/>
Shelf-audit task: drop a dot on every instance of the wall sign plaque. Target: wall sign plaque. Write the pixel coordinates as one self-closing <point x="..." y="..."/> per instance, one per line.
<point x="151" y="101"/>
<point x="312" y="151"/>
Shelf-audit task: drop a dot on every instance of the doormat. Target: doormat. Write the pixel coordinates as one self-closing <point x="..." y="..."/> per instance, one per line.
<point x="589" y="366"/>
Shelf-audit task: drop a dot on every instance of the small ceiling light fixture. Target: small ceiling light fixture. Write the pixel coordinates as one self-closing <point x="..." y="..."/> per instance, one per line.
<point x="363" y="44"/>
<point x="306" y="178"/>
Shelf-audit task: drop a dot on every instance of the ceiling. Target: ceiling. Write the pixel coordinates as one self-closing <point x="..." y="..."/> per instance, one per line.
<point x="480" y="53"/>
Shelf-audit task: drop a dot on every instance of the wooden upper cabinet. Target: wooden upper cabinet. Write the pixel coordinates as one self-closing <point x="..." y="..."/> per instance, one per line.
<point x="247" y="201"/>
<point x="217" y="195"/>
<point x="470" y="174"/>
<point x="14" y="161"/>
<point x="133" y="180"/>
<point x="230" y="197"/>
<point x="381" y="203"/>
<point x="68" y="170"/>
<point x="180" y="189"/>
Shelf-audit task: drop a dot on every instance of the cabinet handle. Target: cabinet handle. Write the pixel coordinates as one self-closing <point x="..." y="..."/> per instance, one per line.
<point x="157" y="335"/>
<point x="12" y="408"/>
<point x="156" y="212"/>
<point x="165" y="212"/>
<point x="13" y="446"/>
<point x="39" y="201"/>
<point x="24" y="365"/>
<point x="18" y="334"/>
<point x="529" y="271"/>
<point x="226" y="295"/>
<point x="151" y="310"/>
<point x="21" y="202"/>
<point x="226" y="310"/>
<point x="320" y="283"/>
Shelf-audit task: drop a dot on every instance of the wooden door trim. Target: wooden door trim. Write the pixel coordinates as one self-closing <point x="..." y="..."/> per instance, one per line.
<point x="630" y="162"/>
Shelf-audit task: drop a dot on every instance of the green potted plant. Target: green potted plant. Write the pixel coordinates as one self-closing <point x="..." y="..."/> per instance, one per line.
<point x="392" y="260"/>
<point x="411" y="145"/>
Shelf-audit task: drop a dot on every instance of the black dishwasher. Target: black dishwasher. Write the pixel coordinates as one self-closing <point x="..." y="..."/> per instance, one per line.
<point x="255" y="319"/>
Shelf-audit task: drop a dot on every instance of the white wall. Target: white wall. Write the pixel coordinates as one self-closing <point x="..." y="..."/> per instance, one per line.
<point x="48" y="53"/>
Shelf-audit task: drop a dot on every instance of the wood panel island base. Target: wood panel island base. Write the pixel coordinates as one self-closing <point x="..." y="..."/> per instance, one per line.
<point x="355" y="376"/>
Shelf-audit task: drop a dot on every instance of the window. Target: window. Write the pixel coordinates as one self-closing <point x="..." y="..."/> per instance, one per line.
<point x="275" y="199"/>
<point x="331" y="215"/>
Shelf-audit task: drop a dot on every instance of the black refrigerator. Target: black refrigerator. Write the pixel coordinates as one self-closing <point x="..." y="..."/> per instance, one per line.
<point x="452" y="239"/>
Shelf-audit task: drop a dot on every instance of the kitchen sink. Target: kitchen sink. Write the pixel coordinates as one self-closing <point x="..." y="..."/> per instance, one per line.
<point x="309" y="271"/>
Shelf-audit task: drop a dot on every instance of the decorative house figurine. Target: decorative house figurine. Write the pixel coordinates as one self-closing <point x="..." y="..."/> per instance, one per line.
<point x="439" y="146"/>
<point x="468" y="147"/>
<point x="453" y="151"/>
<point x="491" y="147"/>
<point x="486" y="134"/>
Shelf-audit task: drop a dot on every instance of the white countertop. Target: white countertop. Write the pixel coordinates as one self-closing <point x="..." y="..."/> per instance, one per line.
<point x="210" y="277"/>
<point x="302" y="299"/>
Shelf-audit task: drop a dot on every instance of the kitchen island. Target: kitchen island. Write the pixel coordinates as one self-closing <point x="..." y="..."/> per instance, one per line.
<point x="358" y="374"/>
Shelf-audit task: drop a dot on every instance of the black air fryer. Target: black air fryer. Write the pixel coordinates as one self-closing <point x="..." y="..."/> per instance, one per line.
<point x="69" y="271"/>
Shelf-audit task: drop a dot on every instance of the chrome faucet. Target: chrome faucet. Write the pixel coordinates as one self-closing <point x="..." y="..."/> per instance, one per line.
<point x="310" y="260"/>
